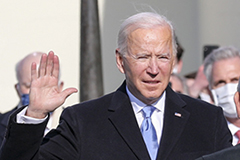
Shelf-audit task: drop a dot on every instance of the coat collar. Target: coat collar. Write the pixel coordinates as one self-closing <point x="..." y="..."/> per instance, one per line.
<point x="123" y="118"/>
<point x="175" y="119"/>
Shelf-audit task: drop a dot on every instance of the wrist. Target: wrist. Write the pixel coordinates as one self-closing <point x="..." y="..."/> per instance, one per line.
<point x="35" y="113"/>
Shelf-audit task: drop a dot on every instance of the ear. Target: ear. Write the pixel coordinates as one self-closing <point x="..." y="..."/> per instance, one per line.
<point x="173" y="64"/>
<point x="237" y="103"/>
<point x="60" y="86"/>
<point x="16" y="86"/>
<point x="180" y="64"/>
<point x="119" y="60"/>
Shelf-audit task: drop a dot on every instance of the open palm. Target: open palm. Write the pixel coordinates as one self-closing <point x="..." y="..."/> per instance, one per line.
<point x="45" y="95"/>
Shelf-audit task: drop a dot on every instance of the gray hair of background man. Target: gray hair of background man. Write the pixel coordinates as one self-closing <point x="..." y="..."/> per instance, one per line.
<point x="143" y="20"/>
<point x="216" y="55"/>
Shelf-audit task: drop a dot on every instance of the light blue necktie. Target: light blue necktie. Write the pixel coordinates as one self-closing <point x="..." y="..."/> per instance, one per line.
<point x="149" y="132"/>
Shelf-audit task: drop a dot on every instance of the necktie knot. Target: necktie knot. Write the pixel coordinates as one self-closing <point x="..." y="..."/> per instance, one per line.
<point x="147" y="111"/>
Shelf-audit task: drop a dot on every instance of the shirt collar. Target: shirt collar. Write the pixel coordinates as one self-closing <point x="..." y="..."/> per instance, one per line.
<point x="232" y="128"/>
<point x="138" y="105"/>
<point x="19" y="105"/>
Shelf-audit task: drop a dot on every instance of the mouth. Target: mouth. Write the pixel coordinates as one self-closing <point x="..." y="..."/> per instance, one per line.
<point x="152" y="82"/>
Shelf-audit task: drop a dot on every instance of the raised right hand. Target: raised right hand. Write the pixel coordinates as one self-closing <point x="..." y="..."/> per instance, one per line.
<point x="45" y="95"/>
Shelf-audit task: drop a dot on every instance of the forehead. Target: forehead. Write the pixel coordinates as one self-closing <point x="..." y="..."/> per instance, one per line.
<point x="157" y="37"/>
<point x="24" y="68"/>
<point x="160" y="33"/>
<point x="25" y="75"/>
<point x="232" y="69"/>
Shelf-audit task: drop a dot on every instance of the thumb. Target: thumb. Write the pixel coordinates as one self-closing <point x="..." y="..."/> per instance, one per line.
<point x="67" y="92"/>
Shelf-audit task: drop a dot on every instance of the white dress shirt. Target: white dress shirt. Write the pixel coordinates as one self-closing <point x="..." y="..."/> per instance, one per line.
<point x="22" y="118"/>
<point x="233" y="129"/>
<point x="157" y="116"/>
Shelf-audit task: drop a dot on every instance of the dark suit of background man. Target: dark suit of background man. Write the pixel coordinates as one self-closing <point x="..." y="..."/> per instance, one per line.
<point x="109" y="127"/>
<point x="231" y="153"/>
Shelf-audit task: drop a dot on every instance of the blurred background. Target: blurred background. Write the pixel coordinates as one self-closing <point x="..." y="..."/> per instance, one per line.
<point x="27" y="26"/>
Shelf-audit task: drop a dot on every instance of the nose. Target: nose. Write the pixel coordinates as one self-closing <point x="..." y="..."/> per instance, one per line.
<point x="153" y="68"/>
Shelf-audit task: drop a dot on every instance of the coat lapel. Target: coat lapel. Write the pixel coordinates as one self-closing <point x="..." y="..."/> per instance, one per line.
<point x="175" y="118"/>
<point x="123" y="118"/>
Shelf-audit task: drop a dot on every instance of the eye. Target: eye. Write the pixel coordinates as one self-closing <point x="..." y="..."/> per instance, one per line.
<point x="220" y="83"/>
<point x="27" y="85"/>
<point x="234" y="80"/>
<point x="142" y="57"/>
<point x="164" y="57"/>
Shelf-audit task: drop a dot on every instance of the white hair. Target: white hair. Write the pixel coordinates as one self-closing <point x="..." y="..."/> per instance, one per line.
<point x="216" y="55"/>
<point x="143" y="20"/>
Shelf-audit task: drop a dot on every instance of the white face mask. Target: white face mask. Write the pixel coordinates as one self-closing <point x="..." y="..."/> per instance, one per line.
<point x="205" y="97"/>
<point x="175" y="69"/>
<point x="223" y="97"/>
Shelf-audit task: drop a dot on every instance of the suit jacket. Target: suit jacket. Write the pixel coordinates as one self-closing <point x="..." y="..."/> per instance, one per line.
<point x="106" y="128"/>
<point x="5" y="117"/>
<point x="4" y="122"/>
<point x="231" y="153"/>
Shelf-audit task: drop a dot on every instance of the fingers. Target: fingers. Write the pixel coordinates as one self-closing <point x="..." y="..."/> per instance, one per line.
<point x="55" y="71"/>
<point x="49" y="65"/>
<point x="42" y="66"/>
<point x="34" y="71"/>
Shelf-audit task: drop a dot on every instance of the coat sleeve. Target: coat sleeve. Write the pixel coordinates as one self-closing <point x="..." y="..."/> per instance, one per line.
<point x="21" y="141"/>
<point x="26" y="142"/>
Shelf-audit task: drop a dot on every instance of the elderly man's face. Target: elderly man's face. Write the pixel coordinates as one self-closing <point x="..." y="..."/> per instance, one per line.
<point x="225" y="71"/>
<point x="148" y="63"/>
<point x="23" y="86"/>
<point x="24" y="74"/>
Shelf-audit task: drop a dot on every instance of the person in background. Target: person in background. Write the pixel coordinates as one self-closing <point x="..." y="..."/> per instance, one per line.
<point x="143" y="119"/>
<point x="22" y="87"/>
<point x="177" y="83"/>
<point x="197" y="82"/>
<point x="197" y="86"/>
<point x="222" y="69"/>
<point x="178" y="59"/>
<point x="231" y="153"/>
